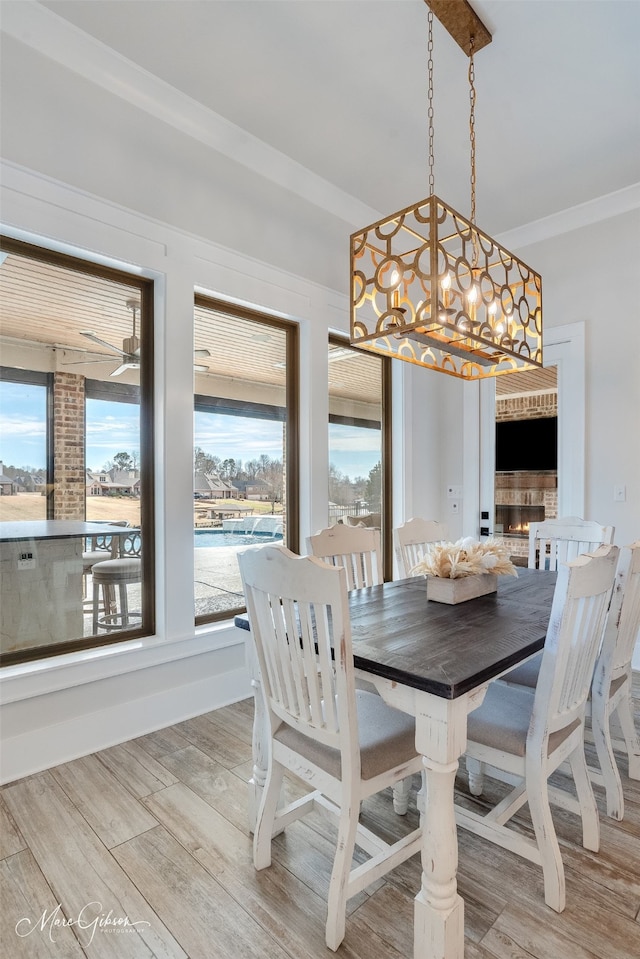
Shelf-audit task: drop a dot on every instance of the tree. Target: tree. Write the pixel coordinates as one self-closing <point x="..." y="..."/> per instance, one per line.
<point x="273" y="474"/>
<point x="228" y="468"/>
<point x="359" y="485"/>
<point x="374" y="488"/>
<point x="252" y="468"/>
<point x="123" y="461"/>
<point x="340" y="487"/>
<point x="204" y="462"/>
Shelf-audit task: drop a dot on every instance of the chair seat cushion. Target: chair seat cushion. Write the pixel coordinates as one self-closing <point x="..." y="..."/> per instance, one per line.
<point x="525" y="674"/>
<point x="114" y="571"/>
<point x="502" y="721"/>
<point x="387" y="739"/>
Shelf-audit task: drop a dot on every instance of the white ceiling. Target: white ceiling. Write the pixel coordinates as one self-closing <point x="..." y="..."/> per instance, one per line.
<point x="340" y="88"/>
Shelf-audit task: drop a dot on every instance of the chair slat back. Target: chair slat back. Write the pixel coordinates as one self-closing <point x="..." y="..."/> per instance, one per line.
<point x="102" y="543"/>
<point x="105" y="541"/>
<point x="580" y="603"/>
<point x="556" y="541"/>
<point x="623" y="618"/>
<point x="131" y="545"/>
<point x="299" y="619"/>
<point x="410" y="540"/>
<point x="356" y="548"/>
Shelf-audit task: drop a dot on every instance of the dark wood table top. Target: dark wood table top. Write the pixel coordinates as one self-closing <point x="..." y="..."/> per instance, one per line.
<point x="448" y="650"/>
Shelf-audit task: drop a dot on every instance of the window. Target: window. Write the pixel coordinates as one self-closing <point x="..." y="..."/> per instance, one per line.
<point x="359" y="413"/>
<point x="245" y="471"/>
<point x="76" y="391"/>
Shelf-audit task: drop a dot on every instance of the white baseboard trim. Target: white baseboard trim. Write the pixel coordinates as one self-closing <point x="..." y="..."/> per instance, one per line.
<point x="39" y="749"/>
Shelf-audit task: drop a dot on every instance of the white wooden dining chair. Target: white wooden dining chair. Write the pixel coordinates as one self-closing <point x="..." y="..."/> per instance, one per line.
<point x="555" y="541"/>
<point x="359" y="551"/>
<point x="528" y="734"/>
<point x="410" y="540"/>
<point x="346" y="743"/>
<point x="611" y="689"/>
<point x="357" y="548"/>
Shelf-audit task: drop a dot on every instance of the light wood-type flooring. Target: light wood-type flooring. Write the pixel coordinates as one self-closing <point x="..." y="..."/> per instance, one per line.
<point x="142" y="850"/>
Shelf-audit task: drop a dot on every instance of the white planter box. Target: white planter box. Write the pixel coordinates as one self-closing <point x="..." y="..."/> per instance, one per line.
<point x="460" y="590"/>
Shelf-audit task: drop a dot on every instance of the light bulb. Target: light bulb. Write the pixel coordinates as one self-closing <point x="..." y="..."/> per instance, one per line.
<point x="472" y="295"/>
<point x="446" y="286"/>
<point x="493" y="307"/>
<point x="394" y="280"/>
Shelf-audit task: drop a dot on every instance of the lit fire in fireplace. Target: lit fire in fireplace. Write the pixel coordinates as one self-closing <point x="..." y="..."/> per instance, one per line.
<point x="514" y="520"/>
<point x="518" y="528"/>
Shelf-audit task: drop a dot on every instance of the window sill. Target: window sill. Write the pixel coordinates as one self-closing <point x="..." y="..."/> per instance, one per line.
<point x="38" y="678"/>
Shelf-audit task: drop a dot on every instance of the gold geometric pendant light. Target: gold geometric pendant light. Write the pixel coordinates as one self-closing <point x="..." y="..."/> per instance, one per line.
<point x="431" y="288"/>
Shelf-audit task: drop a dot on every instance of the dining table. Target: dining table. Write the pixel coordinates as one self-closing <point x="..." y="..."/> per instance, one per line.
<point x="434" y="661"/>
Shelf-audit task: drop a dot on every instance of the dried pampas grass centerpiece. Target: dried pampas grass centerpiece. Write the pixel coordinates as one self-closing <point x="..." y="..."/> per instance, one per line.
<point x="465" y="557"/>
<point x="464" y="570"/>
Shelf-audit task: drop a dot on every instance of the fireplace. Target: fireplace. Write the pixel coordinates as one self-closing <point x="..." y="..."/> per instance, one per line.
<point x="514" y="520"/>
<point x="523" y="497"/>
<point x="526" y="478"/>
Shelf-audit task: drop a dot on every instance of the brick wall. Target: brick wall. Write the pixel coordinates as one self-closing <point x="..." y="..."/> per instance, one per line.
<point x="68" y="446"/>
<point x="530" y="407"/>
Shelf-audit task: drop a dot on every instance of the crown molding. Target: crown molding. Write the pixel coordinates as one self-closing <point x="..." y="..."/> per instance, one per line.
<point x="573" y="218"/>
<point x="61" y="41"/>
<point x="64" y="43"/>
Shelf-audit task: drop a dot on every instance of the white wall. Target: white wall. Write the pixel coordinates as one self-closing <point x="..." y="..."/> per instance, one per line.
<point x="591" y="275"/>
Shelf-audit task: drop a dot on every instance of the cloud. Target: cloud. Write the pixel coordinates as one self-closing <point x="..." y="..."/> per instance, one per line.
<point x="353" y="439"/>
<point x="22" y="426"/>
<point x="237" y="437"/>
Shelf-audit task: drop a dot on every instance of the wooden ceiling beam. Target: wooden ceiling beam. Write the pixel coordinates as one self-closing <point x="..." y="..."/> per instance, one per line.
<point x="461" y="21"/>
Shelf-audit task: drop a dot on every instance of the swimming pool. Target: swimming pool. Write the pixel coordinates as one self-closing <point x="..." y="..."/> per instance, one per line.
<point x="219" y="537"/>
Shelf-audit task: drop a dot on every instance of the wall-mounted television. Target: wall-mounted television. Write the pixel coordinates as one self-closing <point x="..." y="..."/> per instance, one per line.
<point x="527" y="444"/>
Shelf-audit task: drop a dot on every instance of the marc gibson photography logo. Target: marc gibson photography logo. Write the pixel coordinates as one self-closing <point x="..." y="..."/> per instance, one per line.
<point x="90" y="919"/>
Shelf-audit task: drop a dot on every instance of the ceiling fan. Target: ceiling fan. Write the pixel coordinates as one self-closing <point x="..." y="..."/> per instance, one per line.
<point x="130" y="352"/>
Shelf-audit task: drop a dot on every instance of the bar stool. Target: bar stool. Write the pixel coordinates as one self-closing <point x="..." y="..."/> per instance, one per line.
<point x="115" y="575"/>
<point x="100" y="548"/>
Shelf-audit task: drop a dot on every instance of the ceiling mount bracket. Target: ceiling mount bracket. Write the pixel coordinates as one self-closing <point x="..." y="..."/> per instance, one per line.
<point x="462" y="22"/>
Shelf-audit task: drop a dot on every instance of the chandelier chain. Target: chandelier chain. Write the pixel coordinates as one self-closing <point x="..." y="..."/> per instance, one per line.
<point x="472" y="128"/>
<point x="430" y="111"/>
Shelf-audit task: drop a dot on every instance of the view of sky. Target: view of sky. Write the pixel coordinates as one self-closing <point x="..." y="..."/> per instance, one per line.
<point x="354" y="451"/>
<point x="111" y="428"/>
<point x="237" y="437"/>
<point x="114" y="427"/>
<point x="22" y="425"/>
